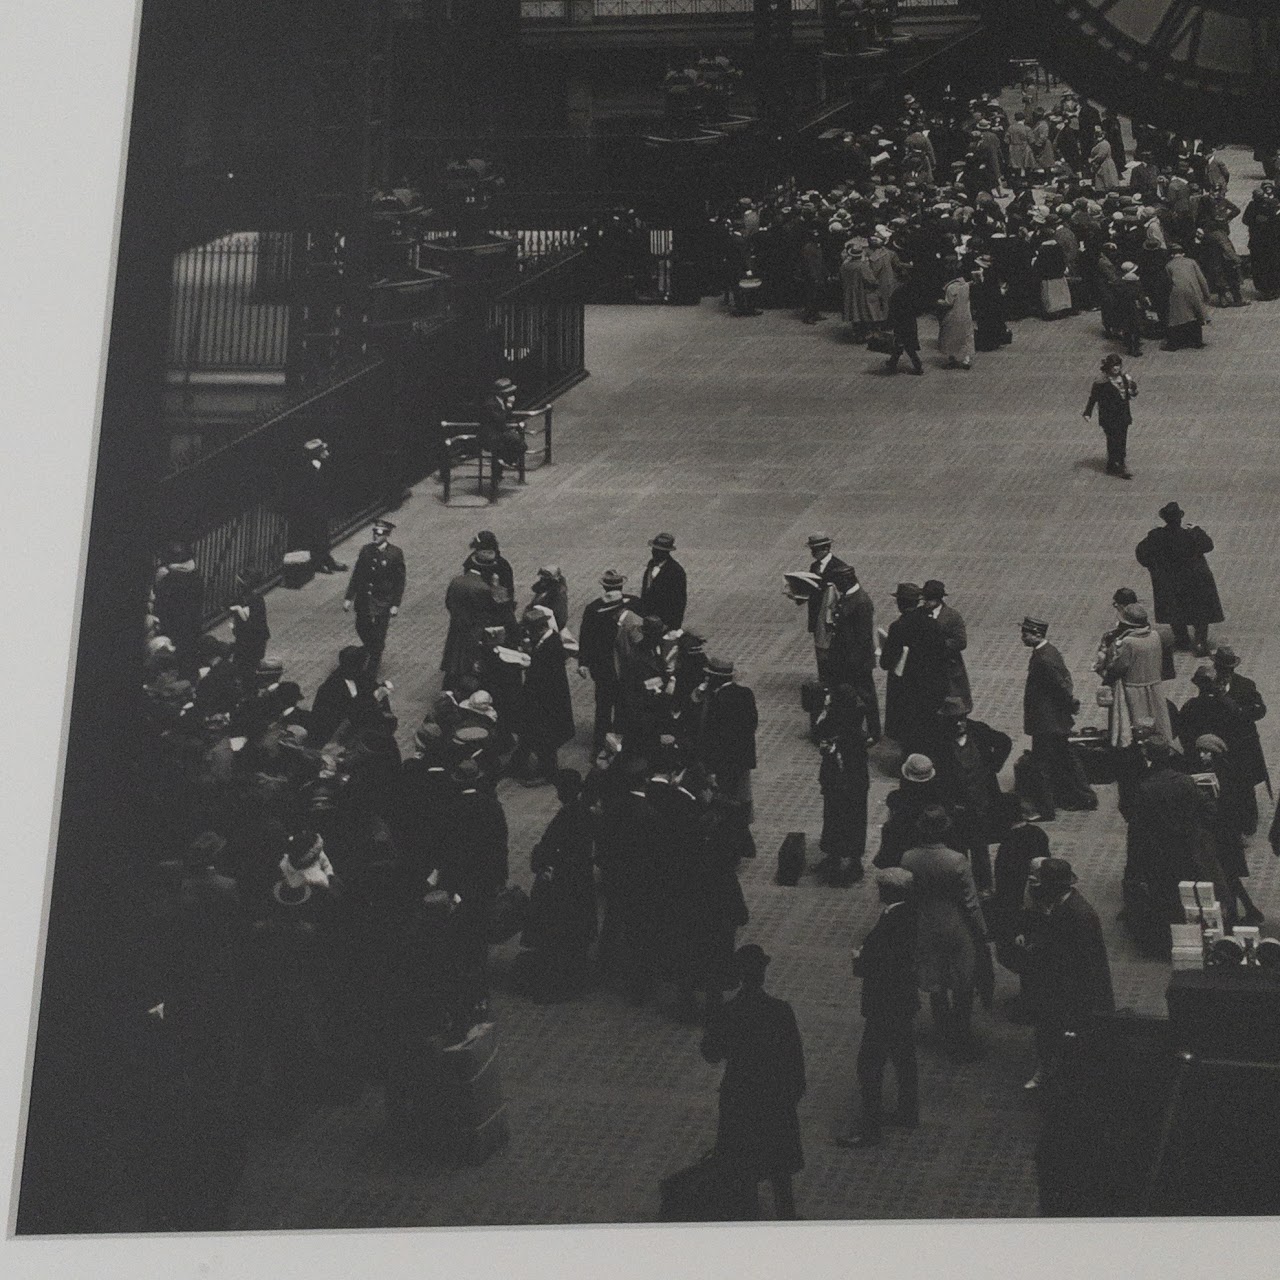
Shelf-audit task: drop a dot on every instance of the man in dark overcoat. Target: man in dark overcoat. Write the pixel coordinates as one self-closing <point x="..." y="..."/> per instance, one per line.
<point x="597" y="637"/>
<point x="473" y="861"/>
<point x="904" y="310"/>
<point x="1228" y="705"/>
<point x="308" y="505"/>
<point x="852" y="656"/>
<point x="471" y="605"/>
<point x="845" y="779"/>
<point x="755" y="1035"/>
<point x="249" y="629"/>
<point x="886" y="963"/>
<point x="955" y="640"/>
<point x="179" y="606"/>
<point x="346" y="696"/>
<point x="1049" y="706"/>
<point x="664" y="589"/>
<point x="913" y="657"/>
<point x="545" y="721"/>
<point x="627" y="852"/>
<point x="1068" y="976"/>
<point x="726" y="735"/>
<point x="1182" y="585"/>
<point x="968" y="757"/>
<point x="376" y="589"/>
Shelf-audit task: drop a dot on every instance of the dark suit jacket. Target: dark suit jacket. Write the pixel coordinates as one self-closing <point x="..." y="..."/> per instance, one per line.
<point x="665" y="596"/>
<point x="887" y="964"/>
<point x="1048" y="703"/>
<point x="333" y="704"/>
<point x="597" y="636"/>
<point x="727" y="736"/>
<point x="954" y="640"/>
<point x="824" y="578"/>
<point x="377" y="581"/>
<point x="1069" y="974"/>
<point x="853" y="645"/>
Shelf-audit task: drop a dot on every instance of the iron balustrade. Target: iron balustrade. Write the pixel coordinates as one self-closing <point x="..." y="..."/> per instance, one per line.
<point x="228" y="306"/>
<point x="562" y="10"/>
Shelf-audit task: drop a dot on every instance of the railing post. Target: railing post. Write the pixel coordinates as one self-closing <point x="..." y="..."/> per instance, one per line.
<point x="546" y="435"/>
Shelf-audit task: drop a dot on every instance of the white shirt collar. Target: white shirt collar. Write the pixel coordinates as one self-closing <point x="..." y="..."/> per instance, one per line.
<point x="351" y="687"/>
<point x="826" y="560"/>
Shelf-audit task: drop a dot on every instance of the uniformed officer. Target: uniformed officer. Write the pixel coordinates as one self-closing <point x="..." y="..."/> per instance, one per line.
<point x="376" y="589"/>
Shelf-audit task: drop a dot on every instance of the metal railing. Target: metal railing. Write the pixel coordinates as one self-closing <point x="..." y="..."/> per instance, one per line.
<point x="562" y="10"/>
<point x="228" y="305"/>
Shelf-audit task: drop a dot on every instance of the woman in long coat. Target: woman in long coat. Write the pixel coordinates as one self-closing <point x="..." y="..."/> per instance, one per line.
<point x="1019" y="137"/>
<point x="879" y="271"/>
<point x="546" y="708"/>
<point x="1051" y="267"/>
<point x="1106" y="177"/>
<point x="1188" y="302"/>
<point x="1042" y="153"/>
<point x="1111" y="393"/>
<point x="1135" y="670"/>
<point x="955" y="324"/>
<point x="855" y="310"/>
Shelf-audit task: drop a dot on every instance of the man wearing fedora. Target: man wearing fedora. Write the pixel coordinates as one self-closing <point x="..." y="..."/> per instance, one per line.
<point x="886" y="963"/>
<point x="664" y="589"/>
<point x="968" y="756"/>
<point x="1067" y="973"/>
<point x="1049" y="707"/>
<point x="913" y="656"/>
<point x="852" y="656"/>
<point x="499" y="432"/>
<point x="1229" y="706"/>
<point x="376" y="589"/>
<point x="725" y="739"/>
<point x="1182" y="584"/>
<point x="955" y="640"/>
<point x="597" y="637"/>
<point x="472" y="606"/>
<point x="755" y="1035"/>
<point x="825" y="564"/>
<point x="309" y="507"/>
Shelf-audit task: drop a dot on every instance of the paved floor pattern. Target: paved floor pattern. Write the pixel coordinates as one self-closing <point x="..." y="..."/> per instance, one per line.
<point x="741" y="436"/>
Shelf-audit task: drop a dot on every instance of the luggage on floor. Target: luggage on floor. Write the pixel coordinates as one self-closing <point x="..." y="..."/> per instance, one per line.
<point x="1092" y="747"/>
<point x="297" y="569"/>
<point x="791" y="859"/>
<point x="704" y="1192"/>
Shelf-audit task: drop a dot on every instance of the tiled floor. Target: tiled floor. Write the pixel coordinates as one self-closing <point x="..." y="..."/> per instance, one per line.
<point x="741" y="436"/>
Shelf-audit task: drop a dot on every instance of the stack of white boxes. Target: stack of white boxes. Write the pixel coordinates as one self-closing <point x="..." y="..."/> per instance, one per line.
<point x="1203" y="927"/>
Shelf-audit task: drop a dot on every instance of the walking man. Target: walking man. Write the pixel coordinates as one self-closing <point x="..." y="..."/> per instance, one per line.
<point x="376" y="589"/>
<point x="664" y="590"/>
<point x="886" y="963"/>
<point x="1049" y="706"/>
<point x="755" y="1035"/>
<point x="1183" y="589"/>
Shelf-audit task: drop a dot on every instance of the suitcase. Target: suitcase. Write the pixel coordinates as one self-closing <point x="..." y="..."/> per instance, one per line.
<point x="472" y="1116"/>
<point x="704" y="1192"/>
<point x="791" y="859"/>
<point x="1093" y="749"/>
<point x="297" y="569"/>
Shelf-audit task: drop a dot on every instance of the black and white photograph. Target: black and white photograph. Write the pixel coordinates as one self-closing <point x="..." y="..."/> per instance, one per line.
<point x="674" y="625"/>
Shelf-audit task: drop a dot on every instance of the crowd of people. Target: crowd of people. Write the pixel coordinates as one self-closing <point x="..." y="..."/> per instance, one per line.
<point x="334" y="901"/>
<point x="324" y="904"/>
<point x="981" y="218"/>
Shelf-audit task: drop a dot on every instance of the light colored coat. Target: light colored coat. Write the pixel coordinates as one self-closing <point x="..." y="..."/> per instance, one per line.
<point x="1189" y="298"/>
<point x="1135" y="666"/>
<point x="1021" y="152"/>
<point x="949" y="917"/>
<point x="955" y="327"/>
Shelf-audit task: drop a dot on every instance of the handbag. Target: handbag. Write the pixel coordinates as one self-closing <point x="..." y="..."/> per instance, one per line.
<point x="1106" y="696"/>
<point x="881" y="342"/>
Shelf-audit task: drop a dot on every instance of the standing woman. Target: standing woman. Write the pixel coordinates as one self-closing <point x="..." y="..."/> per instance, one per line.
<point x="1111" y="393"/>
<point x="955" y="323"/>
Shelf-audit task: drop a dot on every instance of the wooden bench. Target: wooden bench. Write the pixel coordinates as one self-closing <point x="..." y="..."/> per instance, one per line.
<point x="465" y="435"/>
